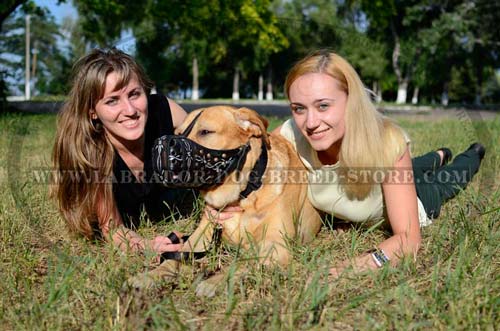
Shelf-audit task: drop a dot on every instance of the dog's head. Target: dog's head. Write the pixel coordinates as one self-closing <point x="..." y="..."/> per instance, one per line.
<point x="212" y="147"/>
<point x="224" y="127"/>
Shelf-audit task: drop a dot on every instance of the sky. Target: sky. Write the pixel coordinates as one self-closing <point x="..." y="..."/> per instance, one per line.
<point x="59" y="11"/>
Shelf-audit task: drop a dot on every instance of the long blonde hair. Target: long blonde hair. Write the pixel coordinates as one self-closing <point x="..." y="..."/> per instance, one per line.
<point x="83" y="156"/>
<point x="371" y="141"/>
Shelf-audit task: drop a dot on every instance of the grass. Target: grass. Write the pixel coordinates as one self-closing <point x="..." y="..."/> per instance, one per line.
<point x="52" y="281"/>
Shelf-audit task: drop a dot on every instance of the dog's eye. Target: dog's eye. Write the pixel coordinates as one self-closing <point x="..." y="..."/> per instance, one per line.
<point x="204" y="132"/>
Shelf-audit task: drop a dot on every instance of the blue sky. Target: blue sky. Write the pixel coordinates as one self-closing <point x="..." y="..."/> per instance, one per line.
<point x="59" y="11"/>
<point x="62" y="10"/>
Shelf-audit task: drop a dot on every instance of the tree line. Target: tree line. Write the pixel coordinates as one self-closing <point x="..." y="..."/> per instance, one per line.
<point x="419" y="51"/>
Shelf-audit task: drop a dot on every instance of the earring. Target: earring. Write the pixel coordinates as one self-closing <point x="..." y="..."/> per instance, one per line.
<point x="93" y="121"/>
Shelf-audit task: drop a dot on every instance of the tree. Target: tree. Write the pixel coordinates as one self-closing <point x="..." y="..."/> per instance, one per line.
<point x="247" y="34"/>
<point x="428" y="37"/>
<point x="404" y="26"/>
<point x="335" y="25"/>
<point x="203" y="33"/>
<point x="195" y="25"/>
<point x="307" y="25"/>
<point x="49" y="66"/>
<point x="7" y="7"/>
<point x="459" y="50"/>
<point x="387" y="18"/>
<point x="482" y="41"/>
<point x="206" y="46"/>
<point x="257" y="40"/>
<point x="367" y="56"/>
<point x="73" y="31"/>
<point x="102" y="22"/>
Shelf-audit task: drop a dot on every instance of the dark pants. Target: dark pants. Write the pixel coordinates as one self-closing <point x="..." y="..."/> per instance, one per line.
<point x="436" y="184"/>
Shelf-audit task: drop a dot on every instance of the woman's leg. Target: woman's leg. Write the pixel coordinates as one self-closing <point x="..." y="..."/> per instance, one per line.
<point x="434" y="188"/>
<point x="427" y="162"/>
<point x="423" y="167"/>
<point x="433" y="160"/>
<point x="454" y="177"/>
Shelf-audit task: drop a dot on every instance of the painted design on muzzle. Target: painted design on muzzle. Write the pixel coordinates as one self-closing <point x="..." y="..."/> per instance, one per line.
<point x="180" y="162"/>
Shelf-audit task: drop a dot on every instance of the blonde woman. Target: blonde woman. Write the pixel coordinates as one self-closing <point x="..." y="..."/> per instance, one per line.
<point x="102" y="153"/>
<point x="359" y="162"/>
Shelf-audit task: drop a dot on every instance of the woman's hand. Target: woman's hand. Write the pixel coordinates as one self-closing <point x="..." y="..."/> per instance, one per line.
<point x="359" y="264"/>
<point x="218" y="216"/>
<point x="161" y="244"/>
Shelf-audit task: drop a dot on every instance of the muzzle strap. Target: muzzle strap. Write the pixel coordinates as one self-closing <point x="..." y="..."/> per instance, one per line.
<point x="191" y="125"/>
<point x="186" y="257"/>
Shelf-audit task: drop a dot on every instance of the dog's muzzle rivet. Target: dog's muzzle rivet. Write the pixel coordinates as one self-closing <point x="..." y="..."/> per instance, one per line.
<point x="224" y="155"/>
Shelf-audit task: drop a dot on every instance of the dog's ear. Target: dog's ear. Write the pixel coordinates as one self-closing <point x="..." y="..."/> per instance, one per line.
<point x="249" y="120"/>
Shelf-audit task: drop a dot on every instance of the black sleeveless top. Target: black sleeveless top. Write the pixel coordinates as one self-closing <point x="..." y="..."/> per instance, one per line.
<point x="133" y="197"/>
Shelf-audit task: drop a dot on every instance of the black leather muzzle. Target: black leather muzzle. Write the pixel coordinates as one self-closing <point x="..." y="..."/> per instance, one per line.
<point x="180" y="162"/>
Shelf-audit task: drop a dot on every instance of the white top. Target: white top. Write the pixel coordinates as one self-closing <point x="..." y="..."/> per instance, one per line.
<point x="325" y="191"/>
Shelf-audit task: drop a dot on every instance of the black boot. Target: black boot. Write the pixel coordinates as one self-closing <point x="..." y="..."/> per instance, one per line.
<point x="479" y="149"/>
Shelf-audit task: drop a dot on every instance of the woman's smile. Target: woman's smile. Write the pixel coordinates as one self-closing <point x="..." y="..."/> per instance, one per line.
<point x="318" y="134"/>
<point x="131" y="123"/>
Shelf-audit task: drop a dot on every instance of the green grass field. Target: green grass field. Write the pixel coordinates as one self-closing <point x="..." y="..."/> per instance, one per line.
<point x="51" y="281"/>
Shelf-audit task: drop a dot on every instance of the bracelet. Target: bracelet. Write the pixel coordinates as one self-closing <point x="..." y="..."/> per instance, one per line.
<point x="379" y="257"/>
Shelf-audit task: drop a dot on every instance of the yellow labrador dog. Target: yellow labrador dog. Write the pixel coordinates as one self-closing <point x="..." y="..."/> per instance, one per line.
<point x="228" y="154"/>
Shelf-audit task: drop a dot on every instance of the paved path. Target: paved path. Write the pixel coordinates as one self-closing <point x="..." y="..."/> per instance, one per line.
<point x="280" y="109"/>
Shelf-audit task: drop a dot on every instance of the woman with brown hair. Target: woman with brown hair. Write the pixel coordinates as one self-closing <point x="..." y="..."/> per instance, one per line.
<point x="339" y="134"/>
<point x="104" y="181"/>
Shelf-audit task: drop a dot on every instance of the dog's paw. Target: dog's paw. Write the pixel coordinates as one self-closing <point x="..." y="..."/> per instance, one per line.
<point x="208" y="287"/>
<point x="143" y="281"/>
<point x="165" y="272"/>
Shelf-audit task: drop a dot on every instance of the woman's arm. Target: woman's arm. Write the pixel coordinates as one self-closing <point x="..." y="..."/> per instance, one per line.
<point x="400" y="197"/>
<point x="178" y="114"/>
<point x="401" y="202"/>
<point x="125" y="239"/>
<point x="112" y="229"/>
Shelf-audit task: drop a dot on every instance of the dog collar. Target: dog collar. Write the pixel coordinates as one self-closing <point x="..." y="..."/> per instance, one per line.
<point x="255" y="177"/>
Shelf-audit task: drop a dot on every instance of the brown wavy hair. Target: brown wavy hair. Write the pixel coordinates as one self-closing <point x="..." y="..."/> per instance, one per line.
<point x="83" y="156"/>
<point x="371" y="141"/>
